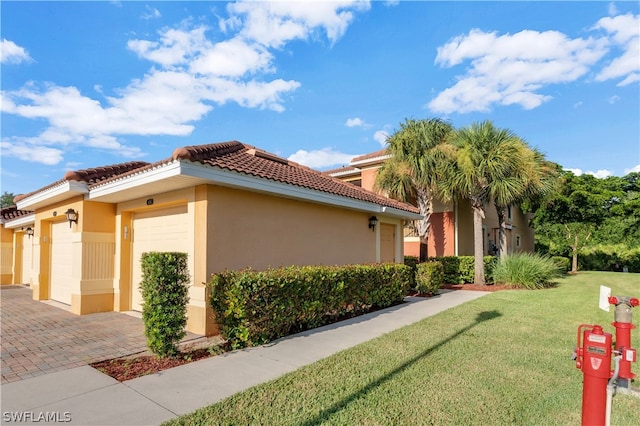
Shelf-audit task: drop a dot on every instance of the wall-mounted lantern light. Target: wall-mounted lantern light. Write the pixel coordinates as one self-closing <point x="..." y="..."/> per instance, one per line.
<point x="30" y="232"/>
<point x="72" y="216"/>
<point x="373" y="221"/>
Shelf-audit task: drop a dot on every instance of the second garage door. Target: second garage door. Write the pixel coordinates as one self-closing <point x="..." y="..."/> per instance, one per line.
<point x="61" y="262"/>
<point x="27" y="259"/>
<point x="158" y="230"/>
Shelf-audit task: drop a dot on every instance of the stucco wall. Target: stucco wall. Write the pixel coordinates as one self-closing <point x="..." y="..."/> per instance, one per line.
<point x="6" y="255"/>
<point x="249" y="229"/>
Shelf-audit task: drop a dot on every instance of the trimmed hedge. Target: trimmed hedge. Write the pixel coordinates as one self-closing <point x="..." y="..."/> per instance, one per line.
<point x="253" y="308"/>
<point x="164" y="288"/>
<point x="609" y="258"/>
<point x="429" y="277"/>
<point x="459" y="269"/>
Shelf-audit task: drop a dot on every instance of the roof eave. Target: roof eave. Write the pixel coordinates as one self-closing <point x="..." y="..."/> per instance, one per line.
<point x="25" y="220"/>
<point x="61" y="192"/>
<point x="115" y="191"/>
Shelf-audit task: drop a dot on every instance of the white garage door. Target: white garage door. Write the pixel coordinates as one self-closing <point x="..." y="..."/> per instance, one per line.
<point x="27" y="259"/>
<point x="61" y="262"/>
<point x="157" y="230"/>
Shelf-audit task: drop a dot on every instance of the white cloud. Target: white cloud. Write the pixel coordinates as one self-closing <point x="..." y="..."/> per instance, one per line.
<point x="613" y="99"/>
<point x="600" y="174"/>
<point x="152" y="13"/>
<point x="511" y="69"/>
<point x="11" y="53"/>
<point x="635" y="169"/>
<point x="273" y="24"/>
<point x="31" y="153"/>
<point x="624" y="33"/>
<point x="381" y="137"/>
<point x="355" y="122"/>
<point x="577" y="172"/>
<point x="321" y="158"/>
<point x="190" y="75"/>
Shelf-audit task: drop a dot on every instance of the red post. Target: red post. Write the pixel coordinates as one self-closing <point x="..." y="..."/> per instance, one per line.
<point x="594" y="359"/>
<point x="623" y="324"/>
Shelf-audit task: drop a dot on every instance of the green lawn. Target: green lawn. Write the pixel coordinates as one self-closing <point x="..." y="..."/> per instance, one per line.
<point x="501" y="359"/>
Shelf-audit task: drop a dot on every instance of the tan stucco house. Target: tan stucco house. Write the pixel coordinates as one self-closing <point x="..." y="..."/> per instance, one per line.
<point x="228" y="205"/>
<point x="451" y="229"/>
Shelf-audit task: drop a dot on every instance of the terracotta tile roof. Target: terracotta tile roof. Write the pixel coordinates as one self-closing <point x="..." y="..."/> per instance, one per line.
<point x="238" y="157"/>
<point x="90" y="176"/>
<point x="11" y="213"/>
<point x="249" y="160"/>
<point x="375" y="154"/>
<point x="98" y="174"/>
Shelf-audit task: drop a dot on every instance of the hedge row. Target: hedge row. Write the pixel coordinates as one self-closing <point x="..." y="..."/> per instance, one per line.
<point x="458" y="269"/>
<point x="253" y="308"/>
<point x="609" y="258"/>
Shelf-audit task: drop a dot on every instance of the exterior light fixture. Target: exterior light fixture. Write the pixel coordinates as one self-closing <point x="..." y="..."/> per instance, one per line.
<point x="373" y="221"/>
<point x="30" y="232"/>
<point x="72" y="216"/>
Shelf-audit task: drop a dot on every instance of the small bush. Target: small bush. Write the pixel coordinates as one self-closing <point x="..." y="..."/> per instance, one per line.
<point x="429" y="277"/>
<point x="164" y="288"/>
<point x="563" y="263"/>
<point x="459" y="269"/>
<point x="526" y="270"/>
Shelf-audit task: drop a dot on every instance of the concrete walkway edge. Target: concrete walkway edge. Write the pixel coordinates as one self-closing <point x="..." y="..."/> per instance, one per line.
<point x="84" y="396"/>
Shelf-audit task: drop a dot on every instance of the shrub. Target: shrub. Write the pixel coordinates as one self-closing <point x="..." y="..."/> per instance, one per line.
<point x="459" y="269"/>
<point x="526" y="270"/>
<point x="164" y="288"/>
<point x="609" y="258"/>
<point x="253" y="308"/>
<point x="429" y="277"/>
<point x="563" y="263"/>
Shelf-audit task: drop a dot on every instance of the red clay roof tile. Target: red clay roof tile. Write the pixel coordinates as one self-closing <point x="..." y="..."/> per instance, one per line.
<point x="12" y="212"/>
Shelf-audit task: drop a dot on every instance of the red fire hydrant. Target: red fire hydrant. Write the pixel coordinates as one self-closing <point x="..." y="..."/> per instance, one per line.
<point x="593" y="357"/>
<point x="622" y="323"/>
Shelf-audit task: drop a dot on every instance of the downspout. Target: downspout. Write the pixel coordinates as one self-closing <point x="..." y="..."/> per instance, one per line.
<point x="455" y="231"/>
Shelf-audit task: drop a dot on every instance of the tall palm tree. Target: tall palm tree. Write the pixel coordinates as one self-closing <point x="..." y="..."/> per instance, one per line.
<point x="538" y="178"/>
<point x="487" y="167"/>
<point x="418" y="150"/>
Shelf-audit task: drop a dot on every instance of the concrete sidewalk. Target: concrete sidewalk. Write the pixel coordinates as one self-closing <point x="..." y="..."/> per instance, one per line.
<point x="84" y="396"/>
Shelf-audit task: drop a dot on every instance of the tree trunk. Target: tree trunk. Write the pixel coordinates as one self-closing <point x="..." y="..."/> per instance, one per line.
<point x="478" y="238"/>
<point x="424" y="201"/>
<point x="574" y="252"/>
<point x="502" y="233"/>
<point x="424" y="250"/>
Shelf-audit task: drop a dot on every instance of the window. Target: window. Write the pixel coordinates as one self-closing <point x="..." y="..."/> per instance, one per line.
<point x="509" y="212"/>
<point x="517" y="241"/>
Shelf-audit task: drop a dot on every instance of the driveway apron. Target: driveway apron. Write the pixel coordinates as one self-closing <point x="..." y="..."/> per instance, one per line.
<point x="38" y="338"/>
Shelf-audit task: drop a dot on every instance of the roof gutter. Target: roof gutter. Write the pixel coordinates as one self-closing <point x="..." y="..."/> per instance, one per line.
<point x="65" y="190"/>
<point x="28" y="219"/>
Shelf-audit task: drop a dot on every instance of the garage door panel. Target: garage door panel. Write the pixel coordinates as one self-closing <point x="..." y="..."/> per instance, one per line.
<point x="157" y="230"/>
<point x="61" y="262"/>
<point x="27" y="259"/>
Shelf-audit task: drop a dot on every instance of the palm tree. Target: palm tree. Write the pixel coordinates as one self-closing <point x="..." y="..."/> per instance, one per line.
<point x="487" y="167"/>
<point x="538" y="178"/>
<point x="418" y="150"/>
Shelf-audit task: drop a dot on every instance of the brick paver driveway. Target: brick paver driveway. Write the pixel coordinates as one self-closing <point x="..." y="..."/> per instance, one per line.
<point x="38" y="338"/>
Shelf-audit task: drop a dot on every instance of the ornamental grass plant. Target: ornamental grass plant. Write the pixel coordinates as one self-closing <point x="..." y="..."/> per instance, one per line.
<point x="526" y="270"/>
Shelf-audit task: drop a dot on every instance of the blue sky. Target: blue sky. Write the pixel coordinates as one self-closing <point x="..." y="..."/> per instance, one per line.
<point x="87" y="84"/>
